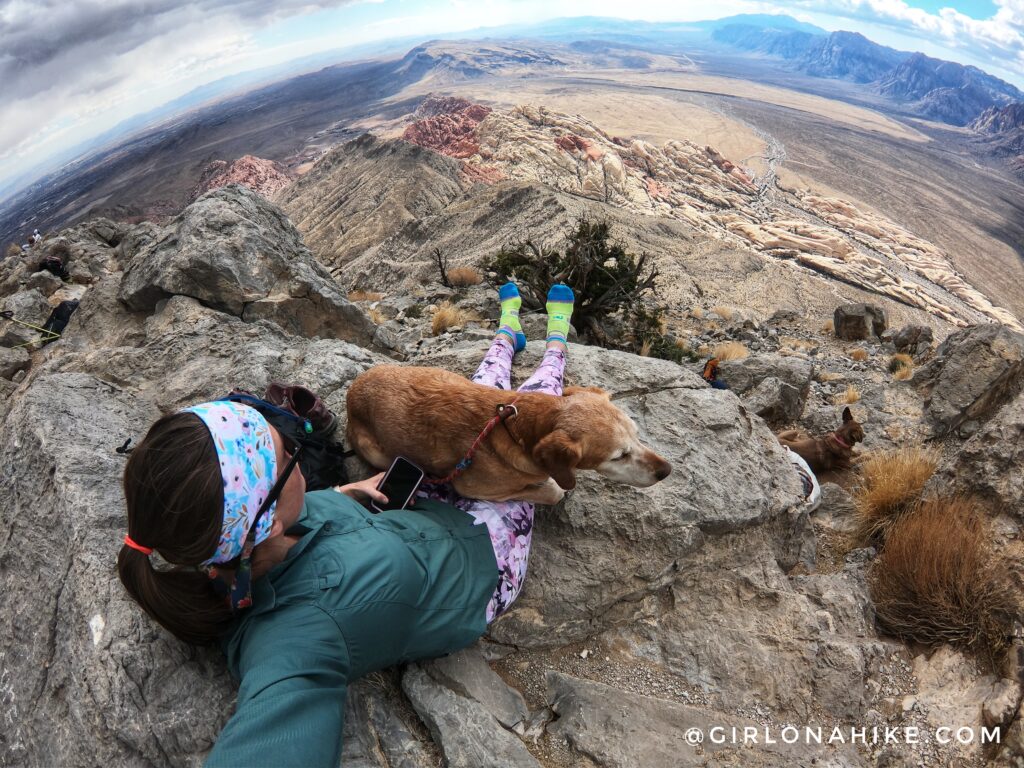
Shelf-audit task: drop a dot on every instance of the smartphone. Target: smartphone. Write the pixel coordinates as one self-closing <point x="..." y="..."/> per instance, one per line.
<point x="399" y="484"/>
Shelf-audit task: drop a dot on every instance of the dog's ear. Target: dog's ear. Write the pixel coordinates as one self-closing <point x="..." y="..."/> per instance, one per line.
<point x="570" y="391"/>
<point x="559" y="454"/>
<point x="847" y="414"/>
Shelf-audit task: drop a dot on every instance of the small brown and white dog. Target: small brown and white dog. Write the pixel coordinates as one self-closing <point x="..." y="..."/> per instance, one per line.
<point x="833" y="451"/>
<point x="432" y="417"/>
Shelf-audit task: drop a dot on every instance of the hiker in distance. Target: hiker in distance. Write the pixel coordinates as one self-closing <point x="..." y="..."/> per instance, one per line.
<point x="307" y="592"/>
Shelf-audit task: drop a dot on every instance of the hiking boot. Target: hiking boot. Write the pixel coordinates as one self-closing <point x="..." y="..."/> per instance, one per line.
<point x="305" y="404"/>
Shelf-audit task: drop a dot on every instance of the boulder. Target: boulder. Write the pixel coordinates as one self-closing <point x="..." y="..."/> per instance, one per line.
<point x="614" y="729"/>
<point x="466" y="733"/>
<point x="772" y="386"/>
<point x="975" y="371"/>
<point x="28" y="306"/>
<point x="468" y="674"/>
<point x="775" y="401"/>
<point x="914" y="340"/>
<point x="856" y="322"/>
<point x="13" y="360"/>
<point x="989" y="463"/>
<point x="46" y="283"/>
<point x="235" y="252"/>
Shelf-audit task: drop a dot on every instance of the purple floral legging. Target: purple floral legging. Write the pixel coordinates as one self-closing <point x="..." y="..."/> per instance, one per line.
<point x="510" y="523"/>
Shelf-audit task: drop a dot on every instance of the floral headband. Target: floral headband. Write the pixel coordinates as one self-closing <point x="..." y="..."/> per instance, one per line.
<point x="248" y="467"/>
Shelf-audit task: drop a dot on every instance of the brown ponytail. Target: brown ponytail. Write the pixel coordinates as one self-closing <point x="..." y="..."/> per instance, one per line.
<point x="175" y="498"/>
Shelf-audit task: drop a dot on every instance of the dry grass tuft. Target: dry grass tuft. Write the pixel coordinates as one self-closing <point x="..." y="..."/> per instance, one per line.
<point x="645" y="348"/>
<point x="830" y="376"/>
<point x="849" y="397"/>
<point x="13" y="250"/>
<point x="365" y="296"/>
<point x="730" y="350"/>
<point x="900" y="362"/>
<point x="697" y="313"/>
<point x="446" y="316"/>
<point x="828" y="327"/>
<point x="461" y="277"/>
<point x="938" y="580"/>
<point x="725" y="313"/>
<point x="903" y="374"/>
<point x="859" y="354"/>
<point x="376" y="315"/>
<point x="891" y="483"/>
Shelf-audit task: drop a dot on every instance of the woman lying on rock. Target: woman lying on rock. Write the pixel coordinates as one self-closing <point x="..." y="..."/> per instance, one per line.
<point x="308" y="592"/>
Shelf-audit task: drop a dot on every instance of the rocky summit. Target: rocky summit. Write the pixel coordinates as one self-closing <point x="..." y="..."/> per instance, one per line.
<point x="715" y="599"/>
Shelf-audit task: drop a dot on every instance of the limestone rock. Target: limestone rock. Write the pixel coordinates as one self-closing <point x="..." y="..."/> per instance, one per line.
<point x="44" y="282"/>
<point x="29" y="306"/>
<point x="468" y="674"/>
<point x="13" y="360"/>
<point x="613" y="729"/>
<point x="467" y="734"/>
<point x="235" y="252"/>
<point x="989" y="463"/>
<point x="856" y="322"/>
<point x="775" y="401"/>
<point x="1000" y="706"/>
<point x="975" y="371"/>
<point x="746" y="374"/>
<point x="914" y="340"/>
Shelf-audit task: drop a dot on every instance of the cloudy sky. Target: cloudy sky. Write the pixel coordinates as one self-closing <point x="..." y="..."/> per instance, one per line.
<point x="72" y="69"/>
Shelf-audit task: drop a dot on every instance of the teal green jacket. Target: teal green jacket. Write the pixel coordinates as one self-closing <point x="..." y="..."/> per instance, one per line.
<point x="358" y="592"/>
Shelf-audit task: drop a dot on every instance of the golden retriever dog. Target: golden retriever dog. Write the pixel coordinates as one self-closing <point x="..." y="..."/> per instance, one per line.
<point x="432" y="416"/>
<point x="833" y="451"/>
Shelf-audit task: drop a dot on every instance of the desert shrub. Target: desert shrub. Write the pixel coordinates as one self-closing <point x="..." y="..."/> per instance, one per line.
<point x="415" y="311"/>
<point x="890" y="484"/>
<point x="859" y="354"/>
<point x="938" y="580"/>
<point x="725" y="313"/>
<point x="849" y="397"/>
<point x="606" y="279"/>
<point x="647" y="337"/>
<point x="441" y="261"/>
<point x="361" y="295"/>
<point x="729" y="350"/>
<point x="461" y="277"/>
<point x="13" y="250"/>
<point x="446" y="316"/>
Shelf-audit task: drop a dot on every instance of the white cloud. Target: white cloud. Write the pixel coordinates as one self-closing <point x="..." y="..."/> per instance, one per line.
<point x="998" y="40"/>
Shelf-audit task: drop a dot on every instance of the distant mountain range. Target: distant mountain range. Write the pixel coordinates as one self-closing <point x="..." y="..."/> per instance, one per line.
<point x="931" y="88"/>
<point x="1001" y="133"/>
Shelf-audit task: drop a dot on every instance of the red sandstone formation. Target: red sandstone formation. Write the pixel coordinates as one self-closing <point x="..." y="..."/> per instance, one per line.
<point x="727" y="165"/>
<point x="488" y="174"/>
<point x="572" y="144"/>
<point x="448" y="126"/>
<point x="264" y="177"/>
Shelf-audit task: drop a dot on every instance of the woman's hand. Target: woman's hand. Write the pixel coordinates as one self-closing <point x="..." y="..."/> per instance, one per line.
<point x="364" y="488"/>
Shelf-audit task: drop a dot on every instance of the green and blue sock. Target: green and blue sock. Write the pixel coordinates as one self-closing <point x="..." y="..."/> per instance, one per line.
<point x="508" y="323"/>
<point x="559" y="308"/>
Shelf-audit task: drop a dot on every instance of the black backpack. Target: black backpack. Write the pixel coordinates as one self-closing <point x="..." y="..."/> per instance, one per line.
<point x="322" y="460"/>
<point x="58" y="319"/>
